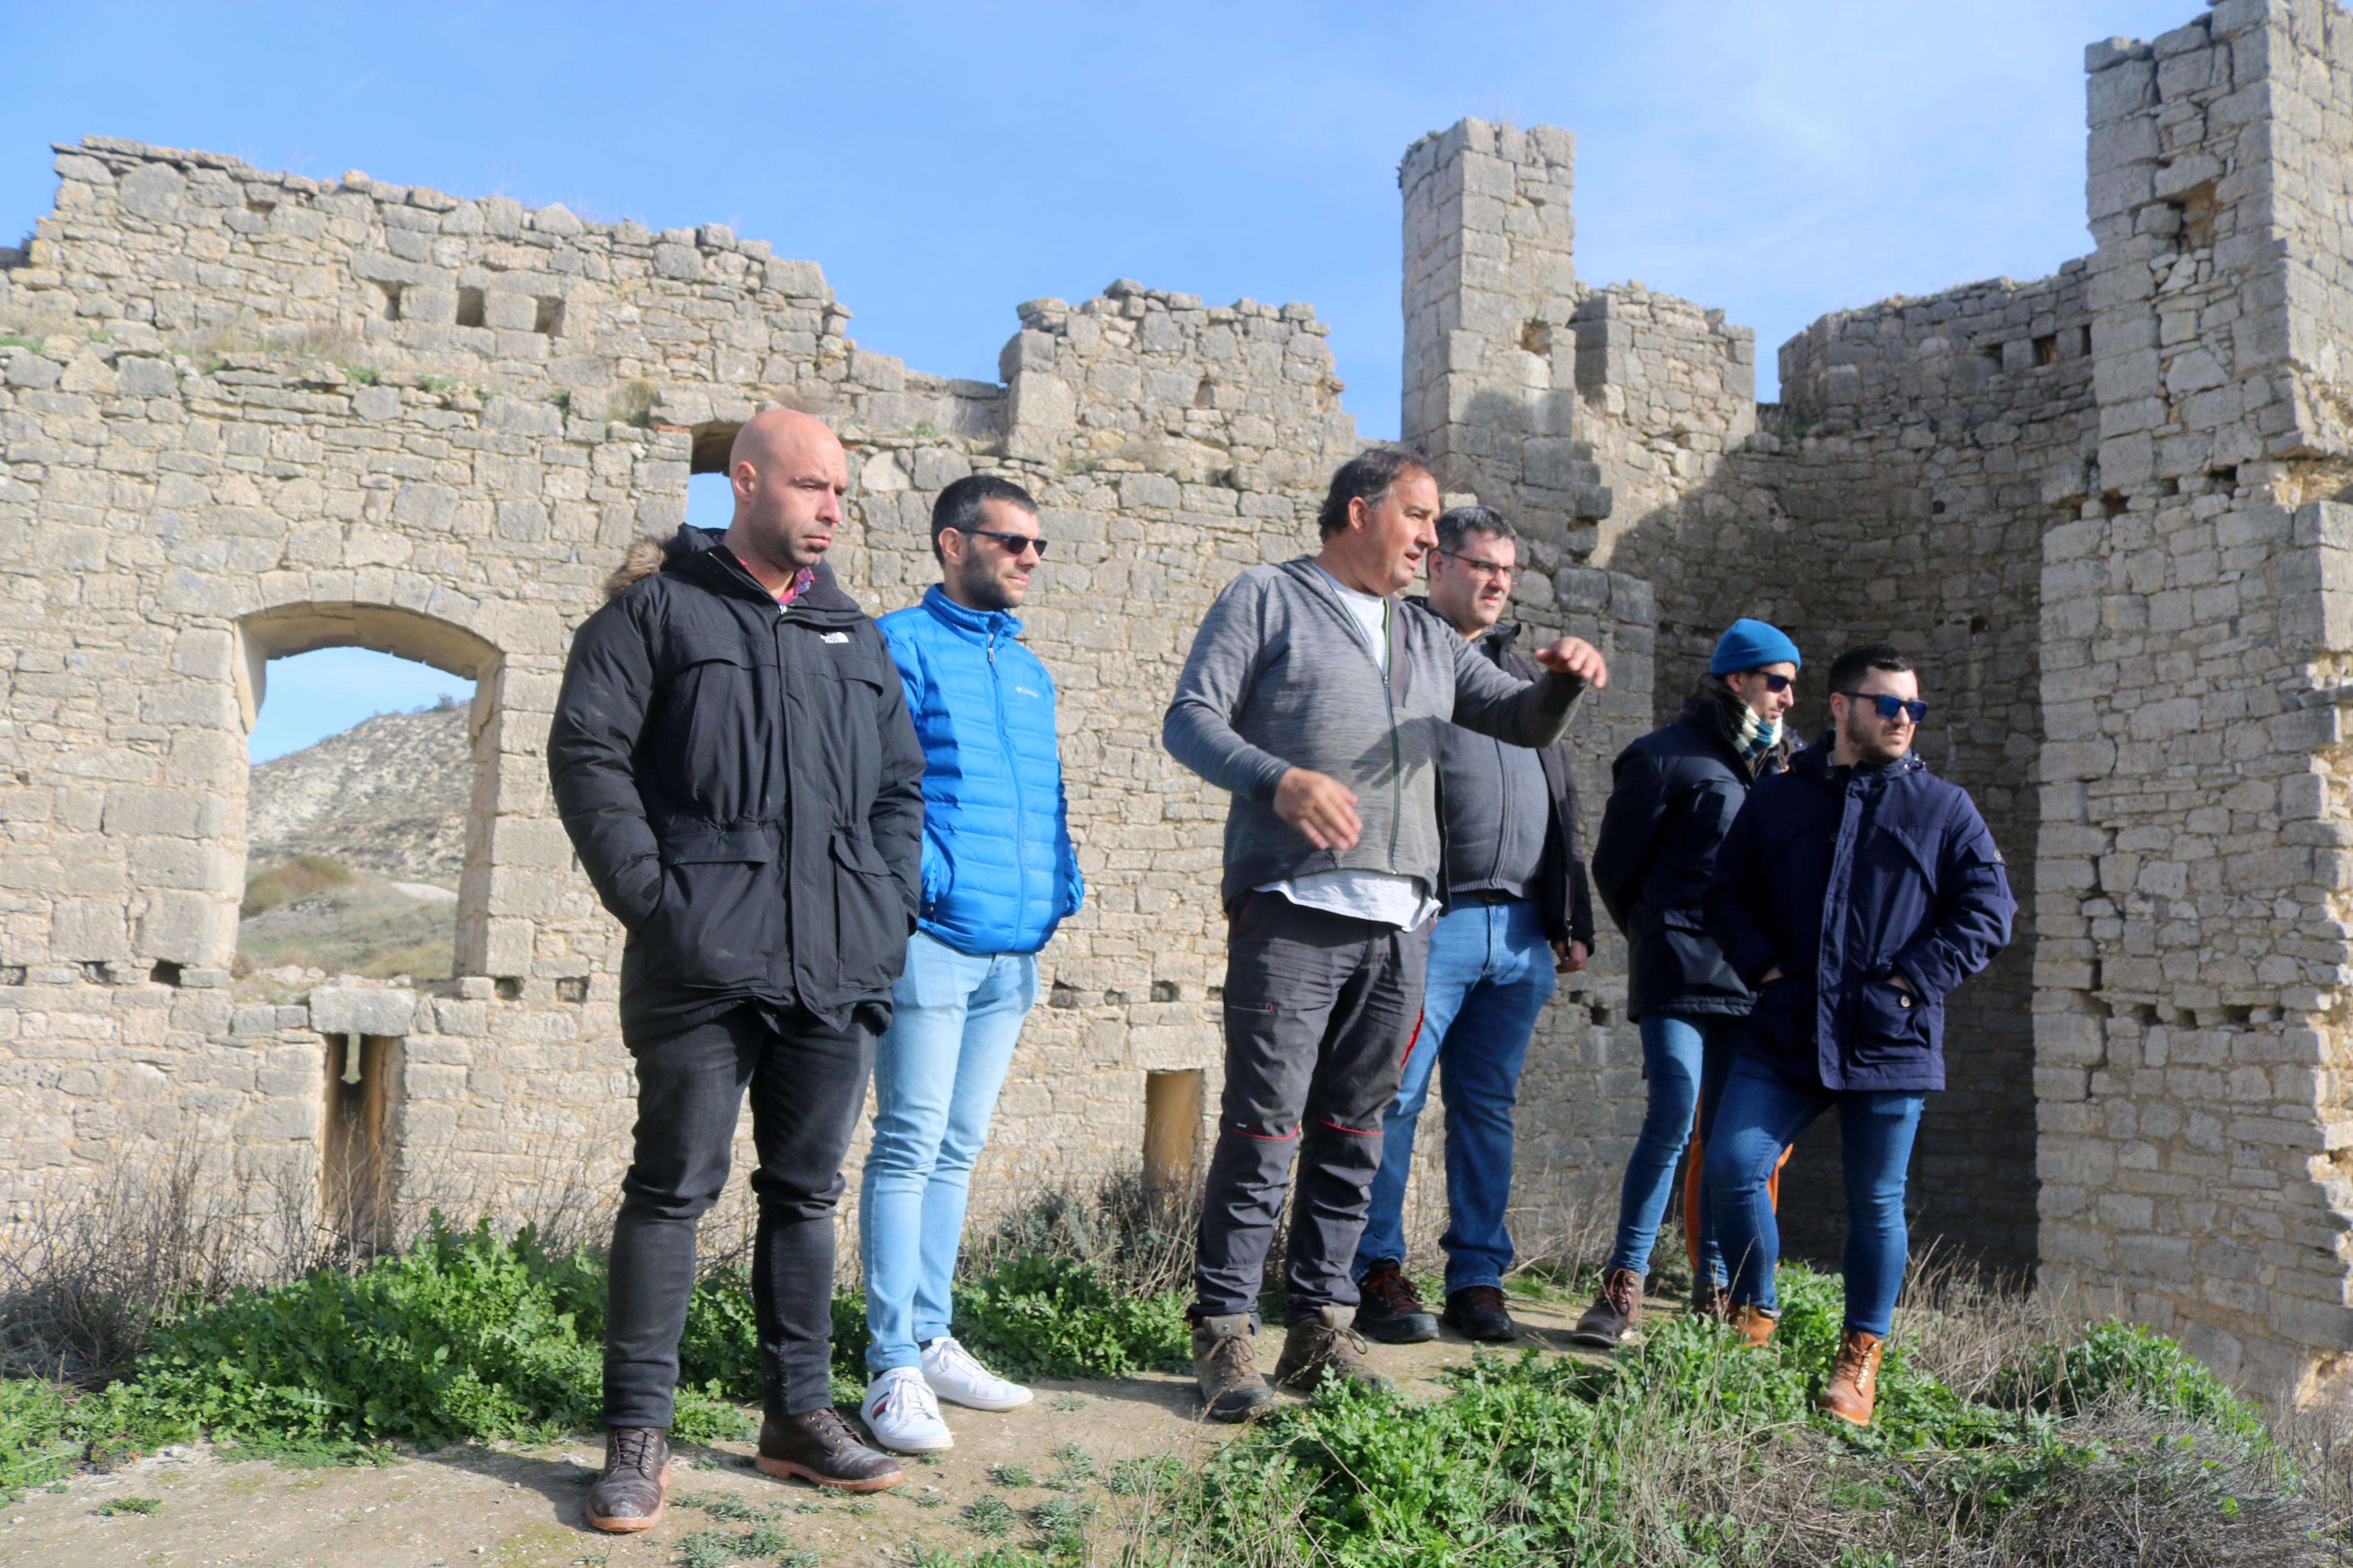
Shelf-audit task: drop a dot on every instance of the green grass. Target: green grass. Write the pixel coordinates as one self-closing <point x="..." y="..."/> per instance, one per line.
<point x="1684" y="1449"/>
<point x="284" y="883"/>
<point x="116" y="1507"/>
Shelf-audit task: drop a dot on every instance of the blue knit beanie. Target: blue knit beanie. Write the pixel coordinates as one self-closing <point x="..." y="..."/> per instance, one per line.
<point x="1752" y="645"/>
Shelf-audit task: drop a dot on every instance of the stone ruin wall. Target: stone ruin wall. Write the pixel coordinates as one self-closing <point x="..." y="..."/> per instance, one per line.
<point x="2103" y="507"/>
<point x="247" y="415"/>
<point x="2194" y="1134"/>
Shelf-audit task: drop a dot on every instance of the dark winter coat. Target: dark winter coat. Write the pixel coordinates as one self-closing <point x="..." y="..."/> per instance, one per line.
<point x="744" y="790"/>
<point x="1557" y="881"/>
<point x="1673" y="797"/>
<point x="1845" y="878"/>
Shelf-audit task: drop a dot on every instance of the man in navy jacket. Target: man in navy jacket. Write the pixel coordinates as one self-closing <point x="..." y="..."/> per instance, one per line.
<point x="998" y="875"/>
<point x="1855" y="893"/>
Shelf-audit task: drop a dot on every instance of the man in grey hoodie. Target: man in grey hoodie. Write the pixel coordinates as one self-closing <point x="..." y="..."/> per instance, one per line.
<point x="1317" y="699"/>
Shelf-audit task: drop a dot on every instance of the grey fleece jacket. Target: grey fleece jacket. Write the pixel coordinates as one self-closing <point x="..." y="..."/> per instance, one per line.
<point x="1279" y="677"/>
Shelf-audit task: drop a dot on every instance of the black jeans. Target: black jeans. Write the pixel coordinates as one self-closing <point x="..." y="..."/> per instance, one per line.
<point x="1320" y="1011"/>
<point x="809" y="1085"/>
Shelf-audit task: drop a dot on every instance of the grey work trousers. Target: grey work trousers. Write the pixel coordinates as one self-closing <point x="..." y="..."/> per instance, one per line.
<point x="1321" y="1011"/>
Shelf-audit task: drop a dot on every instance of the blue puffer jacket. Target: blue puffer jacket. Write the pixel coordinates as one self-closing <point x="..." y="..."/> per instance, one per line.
<point x="1843" y="878"/>
<point x="999" y="873"/>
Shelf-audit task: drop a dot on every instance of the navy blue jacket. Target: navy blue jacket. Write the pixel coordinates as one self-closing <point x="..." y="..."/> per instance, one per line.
<point x="1673" y="797"/>
<point x="1845" y="878"/>
<point x="999" y="873"/>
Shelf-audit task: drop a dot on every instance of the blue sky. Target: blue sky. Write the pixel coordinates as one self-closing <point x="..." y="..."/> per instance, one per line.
<point x="944" y="163"/>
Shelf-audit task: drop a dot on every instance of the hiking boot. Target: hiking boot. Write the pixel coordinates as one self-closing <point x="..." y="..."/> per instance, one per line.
<point x="1853" y="1387"/>
<point x="818" y="1445"/>
<point x="628" y="1496"/>
<point x="1314" y="1346"/>
<point x="1711" y="1299"/>
<point x="1225" y="1364"/>
<point x="1390" y="1310"/>
<point x="1755" y="1326"/>
<point x="1477" y="1312"/>
<point x="1613" y="1314"/>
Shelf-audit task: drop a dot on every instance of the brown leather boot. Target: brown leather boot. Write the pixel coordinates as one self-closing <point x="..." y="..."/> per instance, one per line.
<point x="818" y="1445"/>
<point x="628" y="1496"/>
<point x="1755" y="1326"/>
<point x="1853" y="1386"/>
<point x="1613" y="1314"/>
<point x="1710" y="1299"/>
<point x="1324" y="1342"/>
<point x="1226" y="1367"/>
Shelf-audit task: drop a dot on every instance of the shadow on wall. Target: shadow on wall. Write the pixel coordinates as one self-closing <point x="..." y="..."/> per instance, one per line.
<point x="1839" y="542"/>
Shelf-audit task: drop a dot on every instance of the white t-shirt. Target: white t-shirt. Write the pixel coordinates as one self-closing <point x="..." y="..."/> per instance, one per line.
<point x="1386" y="898"/>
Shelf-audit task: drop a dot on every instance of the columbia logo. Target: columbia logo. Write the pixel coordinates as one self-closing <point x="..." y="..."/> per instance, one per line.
<point x="1025" y="691"/>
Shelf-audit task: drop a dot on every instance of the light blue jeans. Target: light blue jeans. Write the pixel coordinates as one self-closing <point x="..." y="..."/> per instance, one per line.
<point x="1491" y="972"/>
<point x="1685" y="1059"/>
<point x="954" y="1017"/>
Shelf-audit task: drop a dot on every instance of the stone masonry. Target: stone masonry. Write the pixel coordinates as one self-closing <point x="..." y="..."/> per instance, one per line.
<point x="244" y="415"/>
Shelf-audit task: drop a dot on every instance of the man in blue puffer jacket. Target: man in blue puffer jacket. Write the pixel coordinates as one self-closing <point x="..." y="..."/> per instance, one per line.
<point x="1855" y="893"/>
<point x="999" y="875"/>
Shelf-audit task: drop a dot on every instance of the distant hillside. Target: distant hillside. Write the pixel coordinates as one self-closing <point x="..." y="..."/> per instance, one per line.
<point x="387" y="796"/>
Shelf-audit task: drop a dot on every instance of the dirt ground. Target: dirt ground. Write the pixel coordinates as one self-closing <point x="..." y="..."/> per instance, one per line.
<point x="520" y="1507"/>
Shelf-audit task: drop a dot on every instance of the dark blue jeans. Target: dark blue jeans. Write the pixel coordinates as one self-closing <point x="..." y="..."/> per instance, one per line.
<point x="1685" y="1061"/>
<point x="1762" y="1114"/>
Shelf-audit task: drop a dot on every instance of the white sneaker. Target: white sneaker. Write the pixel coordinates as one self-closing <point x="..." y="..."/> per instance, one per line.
<point x="957" y="1378"/>
<point x="901" y="1413"/>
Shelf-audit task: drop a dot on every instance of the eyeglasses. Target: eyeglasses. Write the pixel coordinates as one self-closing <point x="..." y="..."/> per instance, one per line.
<point x="1912" y="708"/>
<point x="1494" y="569"/>
<point x="1015" y="543"/>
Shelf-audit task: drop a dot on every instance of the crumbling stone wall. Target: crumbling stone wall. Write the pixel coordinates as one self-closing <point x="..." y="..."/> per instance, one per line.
<point x="247" y="415"/>
<point x="2194" y="837"/>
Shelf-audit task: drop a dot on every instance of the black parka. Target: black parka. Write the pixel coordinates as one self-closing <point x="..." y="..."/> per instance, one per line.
<point x="1673" y="797"/>
<point x="744" y="788"/>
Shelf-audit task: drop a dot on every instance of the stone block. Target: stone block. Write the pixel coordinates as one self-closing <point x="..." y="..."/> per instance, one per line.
<point x="361" y="1010"/>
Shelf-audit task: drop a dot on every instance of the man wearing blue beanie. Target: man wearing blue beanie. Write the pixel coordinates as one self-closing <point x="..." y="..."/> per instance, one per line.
<point x="1748" y="645"/>
<point x="1674" y="795"/>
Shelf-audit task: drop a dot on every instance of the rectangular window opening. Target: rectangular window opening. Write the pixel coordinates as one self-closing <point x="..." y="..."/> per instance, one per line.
<point x="391" y="300"/>
<point x="359" y="1161"/>
<point x="469" y="307"/>
<point x="549" y="319"/>
<point x="2046" y="350"/>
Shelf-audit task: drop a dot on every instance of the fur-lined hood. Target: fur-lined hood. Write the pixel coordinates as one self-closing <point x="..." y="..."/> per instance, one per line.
<point x="644" y="559"/>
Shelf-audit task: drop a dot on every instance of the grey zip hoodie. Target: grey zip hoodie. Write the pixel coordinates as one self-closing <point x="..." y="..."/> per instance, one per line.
<point x="1279" y="677"/>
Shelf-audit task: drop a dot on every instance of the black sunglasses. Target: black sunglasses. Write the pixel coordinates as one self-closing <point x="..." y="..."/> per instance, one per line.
<point x="1015" y="543"/>
<point x="1889" y="706"/>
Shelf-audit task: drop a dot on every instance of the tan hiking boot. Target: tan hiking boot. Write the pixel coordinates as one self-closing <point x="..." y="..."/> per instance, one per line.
<point x="1225" y="1364"/>
<point x="628" y="1496"/>
<point x="1853" y="1387"/>
<point x="1755" y="1326"/>
<point x="1613" y="1314"/>
<point x="1324" y="1342"/>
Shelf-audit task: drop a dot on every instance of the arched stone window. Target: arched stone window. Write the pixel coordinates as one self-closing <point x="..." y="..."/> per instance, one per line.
<point x="287" y="630"/>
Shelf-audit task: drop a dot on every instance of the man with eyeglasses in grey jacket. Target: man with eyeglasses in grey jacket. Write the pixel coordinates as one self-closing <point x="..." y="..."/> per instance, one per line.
<point x="1316" y="697"/>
